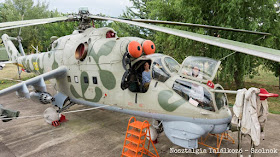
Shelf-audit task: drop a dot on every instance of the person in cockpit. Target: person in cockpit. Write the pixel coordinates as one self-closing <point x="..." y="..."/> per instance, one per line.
<point x="196" y="90"/>
<point x="195" y="72"/>
<point x="146" y="76"/>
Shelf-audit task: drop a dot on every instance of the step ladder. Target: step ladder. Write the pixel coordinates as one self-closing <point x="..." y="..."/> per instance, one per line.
<point x="220" y="138"/>
<point x="135" y="139"/>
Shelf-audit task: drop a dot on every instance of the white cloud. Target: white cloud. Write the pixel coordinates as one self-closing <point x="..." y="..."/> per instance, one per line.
<point x="108" y="7"/>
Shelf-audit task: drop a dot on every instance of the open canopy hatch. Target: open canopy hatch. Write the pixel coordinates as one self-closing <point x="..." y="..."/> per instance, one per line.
<point x="199" y="68"/>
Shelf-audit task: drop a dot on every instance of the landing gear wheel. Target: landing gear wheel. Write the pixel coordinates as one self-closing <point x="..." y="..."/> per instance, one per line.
<point x="154" y="134"/>
<point x="159" y="127"/>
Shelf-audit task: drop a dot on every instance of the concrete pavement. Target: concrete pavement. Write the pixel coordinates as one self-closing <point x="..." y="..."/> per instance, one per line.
<point x="96" y="133"/>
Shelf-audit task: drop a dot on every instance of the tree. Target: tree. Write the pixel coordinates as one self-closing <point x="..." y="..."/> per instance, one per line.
<point x="15" y="10"/>
<point x="249" y="15"/>
<point x="137" y="10"/>
<point x="273" y="40"/>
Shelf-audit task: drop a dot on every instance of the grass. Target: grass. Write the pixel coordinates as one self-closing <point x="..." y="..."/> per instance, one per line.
<point x="10" y="72"/>
<point x="9" y="76"/>
<point x="6" y="83"/>
<point x="267" y="80"/>
<point x="3" y="53"/>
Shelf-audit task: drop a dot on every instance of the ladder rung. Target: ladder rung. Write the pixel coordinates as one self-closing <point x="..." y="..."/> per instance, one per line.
<point x="133" y="147"/>
<point x="135" y="132"/>
<point x="138" y="124"/>
<point x="130" y="153"/>
<point x="135" y="140"/>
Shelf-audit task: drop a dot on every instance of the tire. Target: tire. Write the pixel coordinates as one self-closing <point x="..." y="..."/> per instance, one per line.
<point x="1" y="68"/>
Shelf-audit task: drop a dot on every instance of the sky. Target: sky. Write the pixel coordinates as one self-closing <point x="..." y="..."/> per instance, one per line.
<point x="108" y="7"/>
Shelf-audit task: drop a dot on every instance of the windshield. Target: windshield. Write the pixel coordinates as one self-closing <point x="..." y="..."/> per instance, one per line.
<point x="159" y="73"/>
<point x="202" y="68"/>
<point x="194" y="94"/>
<point x="221" y="99"/>
<point x="172" y="64"/>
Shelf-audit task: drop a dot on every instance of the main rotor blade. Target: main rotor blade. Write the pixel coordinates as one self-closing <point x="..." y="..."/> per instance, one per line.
<point x="197" y="25"/>
<point x="24" y="23"/>
<point x="263" y="52"/>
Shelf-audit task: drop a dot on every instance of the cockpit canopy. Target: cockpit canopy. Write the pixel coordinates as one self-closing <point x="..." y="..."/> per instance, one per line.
<point x="199" y="68"/>
<point x="172" y="64"/>
<point x="163" y="67"/>
<point x="194" y="93"/>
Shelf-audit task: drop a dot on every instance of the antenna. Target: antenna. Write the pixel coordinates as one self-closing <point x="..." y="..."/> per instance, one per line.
<point x="36" y="48"/>
<point x="19" y="39"/>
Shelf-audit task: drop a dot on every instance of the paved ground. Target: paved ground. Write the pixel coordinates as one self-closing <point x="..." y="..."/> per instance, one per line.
<point x="97" y="133"/>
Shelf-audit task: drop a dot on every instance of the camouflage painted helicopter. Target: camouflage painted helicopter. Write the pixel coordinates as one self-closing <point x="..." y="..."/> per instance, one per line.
<point x="93" y="66"/>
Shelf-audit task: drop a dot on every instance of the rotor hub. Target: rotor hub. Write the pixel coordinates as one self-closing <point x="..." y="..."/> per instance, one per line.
<point x="82" y="17"/>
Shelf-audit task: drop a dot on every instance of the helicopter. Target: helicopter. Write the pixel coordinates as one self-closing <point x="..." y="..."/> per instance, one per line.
<point x="95" y="67"/>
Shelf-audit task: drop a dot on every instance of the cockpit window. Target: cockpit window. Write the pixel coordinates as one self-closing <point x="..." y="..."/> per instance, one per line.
<point x="194" y="94"/>
<point x="202" y="68"/>
<point x="172" y="64"/>
<point x="220" y="98"/>
<point x="159" y="73"/>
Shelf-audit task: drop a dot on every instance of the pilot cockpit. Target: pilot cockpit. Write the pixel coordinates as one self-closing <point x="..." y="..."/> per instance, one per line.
<point x="194" y="93"/>
<point x="193" y="72"/>
<point x="172" y="65"/>
<point x="161" y="67"/>
<point x="199" y="68"/>
<point x="158" y="71"/>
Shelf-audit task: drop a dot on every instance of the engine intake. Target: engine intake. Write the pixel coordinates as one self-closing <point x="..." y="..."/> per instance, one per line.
<point x="81" y="51"/>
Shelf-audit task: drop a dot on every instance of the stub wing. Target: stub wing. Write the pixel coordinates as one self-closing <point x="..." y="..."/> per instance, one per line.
<point x="37" y="82"/>
<point x="7" y="62"/>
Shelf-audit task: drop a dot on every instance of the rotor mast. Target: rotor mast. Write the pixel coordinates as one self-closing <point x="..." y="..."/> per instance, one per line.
<point x="82" y="17"/>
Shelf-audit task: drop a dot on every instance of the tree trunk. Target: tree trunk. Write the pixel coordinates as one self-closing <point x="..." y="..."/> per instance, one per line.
<point x="239" y="71"/>
<point x="279" y="76"/>
<point x="238" y="79"/>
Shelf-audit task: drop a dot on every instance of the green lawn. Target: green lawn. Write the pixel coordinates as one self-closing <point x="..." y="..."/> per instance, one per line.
<point x="3" y="54"/>
<point x="266" y="80"/>
<point x="9" y="76"/>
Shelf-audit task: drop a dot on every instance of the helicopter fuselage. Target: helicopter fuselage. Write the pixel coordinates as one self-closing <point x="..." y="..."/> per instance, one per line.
<point x="96" y="79"/>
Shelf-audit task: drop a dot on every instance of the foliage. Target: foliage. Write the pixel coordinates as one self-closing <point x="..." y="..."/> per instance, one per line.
<point x="15" y="10"/>
<point x="249" y="15"/>
<point x="138" y="10"/>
